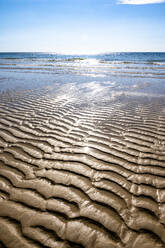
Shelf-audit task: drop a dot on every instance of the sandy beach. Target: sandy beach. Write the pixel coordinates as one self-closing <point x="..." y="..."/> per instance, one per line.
<point x="82" y="165"/>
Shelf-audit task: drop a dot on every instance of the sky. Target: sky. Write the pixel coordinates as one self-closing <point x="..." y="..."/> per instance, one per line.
<point x="82" y="26"/>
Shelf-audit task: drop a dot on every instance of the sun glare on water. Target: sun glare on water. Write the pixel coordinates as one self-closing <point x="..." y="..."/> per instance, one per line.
<point x="91" y="61"/>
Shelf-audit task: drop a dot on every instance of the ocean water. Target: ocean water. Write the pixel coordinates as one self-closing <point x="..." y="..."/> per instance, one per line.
<point x="140" y="72"/>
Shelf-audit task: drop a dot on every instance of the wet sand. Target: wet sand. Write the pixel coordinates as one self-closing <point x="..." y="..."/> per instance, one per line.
<point x="81" y="173"/>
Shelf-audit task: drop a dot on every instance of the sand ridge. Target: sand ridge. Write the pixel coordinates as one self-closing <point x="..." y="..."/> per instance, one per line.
<point x="81" y="174"/>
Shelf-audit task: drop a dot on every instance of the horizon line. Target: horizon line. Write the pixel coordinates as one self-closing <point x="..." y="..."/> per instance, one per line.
<point x="82" y="54"/>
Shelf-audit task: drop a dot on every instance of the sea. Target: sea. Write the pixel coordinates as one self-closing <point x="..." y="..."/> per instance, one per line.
<point x="141" y="73"/>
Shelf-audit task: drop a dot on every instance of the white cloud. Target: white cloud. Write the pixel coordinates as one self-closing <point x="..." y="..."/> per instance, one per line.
<point x="140" y="2"/>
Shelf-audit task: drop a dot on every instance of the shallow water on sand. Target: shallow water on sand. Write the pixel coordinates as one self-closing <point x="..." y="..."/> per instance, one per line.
<point x="82" y="151"/>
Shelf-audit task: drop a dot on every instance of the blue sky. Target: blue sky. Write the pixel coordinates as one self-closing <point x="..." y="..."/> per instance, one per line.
<point x="82" y="26"/>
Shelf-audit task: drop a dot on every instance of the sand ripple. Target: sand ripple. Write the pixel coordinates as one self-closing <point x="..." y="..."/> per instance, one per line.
<point x="75" y="174"/>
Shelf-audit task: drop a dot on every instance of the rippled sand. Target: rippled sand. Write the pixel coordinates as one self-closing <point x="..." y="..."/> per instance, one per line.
<point x="79" y="173"/>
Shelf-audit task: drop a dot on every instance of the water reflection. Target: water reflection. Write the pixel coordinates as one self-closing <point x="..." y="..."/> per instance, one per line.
<point x="123" y="72"/>
<point x="86" y="149"/>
